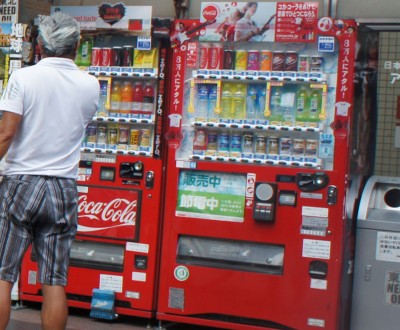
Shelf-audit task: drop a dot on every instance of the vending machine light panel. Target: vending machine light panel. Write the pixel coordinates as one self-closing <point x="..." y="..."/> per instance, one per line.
<point x="287" y="198"/>
<point x="285" y="178"/>
<point x="107" y="174"/>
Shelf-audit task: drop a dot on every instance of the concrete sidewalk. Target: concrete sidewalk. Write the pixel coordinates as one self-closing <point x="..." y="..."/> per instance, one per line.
<point x="28" y="318"/>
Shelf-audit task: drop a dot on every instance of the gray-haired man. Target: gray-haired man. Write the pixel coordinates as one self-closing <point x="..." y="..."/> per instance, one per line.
<point x="46" y="108"/>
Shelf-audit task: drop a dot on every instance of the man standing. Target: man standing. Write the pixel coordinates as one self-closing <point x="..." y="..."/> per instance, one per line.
<point x="46" y="108"/>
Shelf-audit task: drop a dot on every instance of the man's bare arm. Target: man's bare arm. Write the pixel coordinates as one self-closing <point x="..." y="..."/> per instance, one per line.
<point x="8" y="127"/>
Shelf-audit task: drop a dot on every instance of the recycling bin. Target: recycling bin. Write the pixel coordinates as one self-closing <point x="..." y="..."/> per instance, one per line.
<point x="376" y="286"/>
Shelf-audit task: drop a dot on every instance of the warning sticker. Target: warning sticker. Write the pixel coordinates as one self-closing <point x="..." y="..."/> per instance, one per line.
<point x="316" y="249"/>
<point x="111" y="282"/>
<point x="388" y="246"/>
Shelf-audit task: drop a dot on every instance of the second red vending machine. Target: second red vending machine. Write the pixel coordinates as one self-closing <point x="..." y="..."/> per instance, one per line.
<point x="263" y="172"/>
<point x="113" y="266"/>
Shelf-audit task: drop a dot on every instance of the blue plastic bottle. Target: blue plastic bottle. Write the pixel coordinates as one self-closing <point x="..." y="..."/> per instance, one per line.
<point x="202" y="101"/>
<point x="251" y="102"/>
<point x="212" y="100"/>
<point x="102" y="111"/>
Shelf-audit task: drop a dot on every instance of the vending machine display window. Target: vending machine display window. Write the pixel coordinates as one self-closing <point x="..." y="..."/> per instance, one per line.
<point x="231" y="254"/>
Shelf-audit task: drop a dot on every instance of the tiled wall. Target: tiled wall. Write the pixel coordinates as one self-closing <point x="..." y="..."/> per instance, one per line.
<point x="387" y="157"/>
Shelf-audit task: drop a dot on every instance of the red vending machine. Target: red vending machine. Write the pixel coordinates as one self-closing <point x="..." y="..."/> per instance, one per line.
<point x="113" y="266"/>
<point x="262" y="169"/>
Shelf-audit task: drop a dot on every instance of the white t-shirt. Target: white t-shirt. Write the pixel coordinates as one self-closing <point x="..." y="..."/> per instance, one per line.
<point x="56" y="101"/>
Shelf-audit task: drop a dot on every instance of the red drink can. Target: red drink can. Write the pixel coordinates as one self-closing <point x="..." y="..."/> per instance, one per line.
<point x="116" y="56"/>
<point x="105" y="56"/>
<point x="96" y="56"/>
<point x="291" y="61"/>
<point x="278" y="61"/>
<point x="253" y="60"/>
<point x="214" y="57"/>
<point x="229" y="59"/>
<point x="127" y="56"/>
<point x="203" y="58"/>
<point x="265" y="60"/>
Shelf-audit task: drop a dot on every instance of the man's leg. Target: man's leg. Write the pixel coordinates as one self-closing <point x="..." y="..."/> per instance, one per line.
<point x="5" y="303"/>
<point x="54" y="309"/>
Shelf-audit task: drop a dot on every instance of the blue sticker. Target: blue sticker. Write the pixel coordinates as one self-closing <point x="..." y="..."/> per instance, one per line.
<point x="326" y="44"/>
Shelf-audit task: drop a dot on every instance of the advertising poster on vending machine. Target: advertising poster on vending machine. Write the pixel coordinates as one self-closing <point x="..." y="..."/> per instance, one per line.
<point x="259" y="21"/>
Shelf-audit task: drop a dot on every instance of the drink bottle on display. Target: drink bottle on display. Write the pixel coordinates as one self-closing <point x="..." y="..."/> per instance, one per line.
<point x="302" y="102"/>
<point x="86" y="52"/>
<point x="148" y="98"/>
<point x="126" y="97"/>
<point x="212" y="100"/>
<point x="315" y="106"/>
<point x="101" y="138"/>
<point x="260" y="114"/>
<point x="251" y="102"/>
<point x="202" y="100"/>
<point x="226" y="100"/>
<point x="275" y="104"/>
<point x="102" y="111"/>
<point x="137" y="97"/>
<point x="116" y="97"/>
<point x="239" y="101"/>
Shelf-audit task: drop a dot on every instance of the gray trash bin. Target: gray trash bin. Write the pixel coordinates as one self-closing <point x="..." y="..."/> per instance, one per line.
<point x="376" y="287"/>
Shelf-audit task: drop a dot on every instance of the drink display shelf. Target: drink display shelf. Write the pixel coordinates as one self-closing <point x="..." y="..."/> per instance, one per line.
<point x="315" y="163"/>
<point x="120" y="71"/>
<point x="111" y="151"/>
<point x="138" y="119"/>
<point x="255" y="126"/>
<point x="290" y="76"/>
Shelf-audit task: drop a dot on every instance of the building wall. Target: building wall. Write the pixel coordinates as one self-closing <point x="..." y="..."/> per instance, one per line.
<point x="387" y="159"/>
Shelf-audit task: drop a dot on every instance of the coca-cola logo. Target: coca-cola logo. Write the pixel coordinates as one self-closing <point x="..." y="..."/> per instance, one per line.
<point x="210" y="12"/>
<point x="96" y="215"/>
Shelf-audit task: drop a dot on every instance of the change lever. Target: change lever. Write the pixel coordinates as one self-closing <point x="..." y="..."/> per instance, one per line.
<point x="311" y="181"/>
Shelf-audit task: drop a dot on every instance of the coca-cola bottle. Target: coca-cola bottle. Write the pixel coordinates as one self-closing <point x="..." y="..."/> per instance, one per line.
<point x="137" y="99"/>
<point x="148" y="97"/>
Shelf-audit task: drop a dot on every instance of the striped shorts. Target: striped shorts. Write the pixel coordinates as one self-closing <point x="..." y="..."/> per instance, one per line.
<point x="43" y="211"/>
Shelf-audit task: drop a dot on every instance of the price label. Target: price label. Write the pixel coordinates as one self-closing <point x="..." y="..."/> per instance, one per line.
<point x="144" y="43"/>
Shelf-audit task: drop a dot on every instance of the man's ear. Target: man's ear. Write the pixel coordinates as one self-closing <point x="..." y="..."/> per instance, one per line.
<point x="76" y="48"/>
<point x="40" y="44"/>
